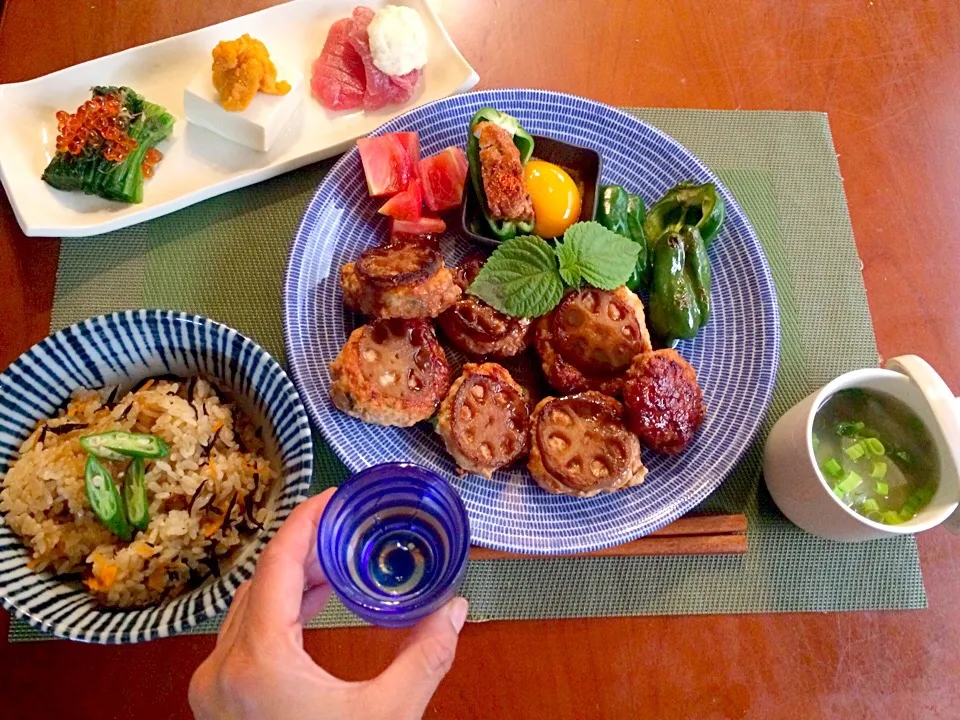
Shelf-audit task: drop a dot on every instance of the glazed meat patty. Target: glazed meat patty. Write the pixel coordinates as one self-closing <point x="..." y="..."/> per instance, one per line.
<point x="404" y="279"/>
<point x="502" y="174"/>
<point x="484" y="420"/>
<point x="664" y="402"/>
<point x="588" y="341"/>
<point x="391" y="372"/>
<point x="476" y="327"/>
<point x="580" y="446"/>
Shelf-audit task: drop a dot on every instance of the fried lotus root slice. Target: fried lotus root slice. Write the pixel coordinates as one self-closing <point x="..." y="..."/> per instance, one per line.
<point x="485" y="419"/>
<point x="391" y="372"/>
<point x="402" y="263"/>
<point x="597" y="331"/>
<point x="490" y="421"/>
<point x="478" y="328"/>
<point x="581" y="446"/>
<point x="396" y="355"/>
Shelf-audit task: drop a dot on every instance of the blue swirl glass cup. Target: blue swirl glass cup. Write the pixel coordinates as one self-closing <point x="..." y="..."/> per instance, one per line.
<point x="393" y="543"/>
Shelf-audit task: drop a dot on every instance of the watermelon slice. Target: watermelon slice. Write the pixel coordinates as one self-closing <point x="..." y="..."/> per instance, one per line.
<point x="406" y="205"/>
<point x="443" y="176"/>
<point x="387" y="167"/>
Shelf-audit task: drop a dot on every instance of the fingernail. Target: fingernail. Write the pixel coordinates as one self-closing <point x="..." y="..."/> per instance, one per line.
<point x="458" y="612"/>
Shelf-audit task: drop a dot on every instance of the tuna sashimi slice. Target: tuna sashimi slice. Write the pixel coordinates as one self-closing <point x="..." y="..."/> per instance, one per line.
<point x="339" y="76"/>
<point x="381" y="89"/>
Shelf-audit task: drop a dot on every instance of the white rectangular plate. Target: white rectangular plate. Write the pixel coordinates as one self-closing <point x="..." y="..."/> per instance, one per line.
<point x="197" y="164"/>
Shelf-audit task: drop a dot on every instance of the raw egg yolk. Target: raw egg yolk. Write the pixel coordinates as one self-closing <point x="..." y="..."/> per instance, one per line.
<point x="555" y="196"/>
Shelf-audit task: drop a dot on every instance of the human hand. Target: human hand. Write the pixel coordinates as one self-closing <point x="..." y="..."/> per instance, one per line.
<point x="259" y="668"/>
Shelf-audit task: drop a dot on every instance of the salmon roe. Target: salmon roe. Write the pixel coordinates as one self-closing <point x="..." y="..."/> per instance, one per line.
<point x="150" y="160"/>
<point x="99" y="125"/>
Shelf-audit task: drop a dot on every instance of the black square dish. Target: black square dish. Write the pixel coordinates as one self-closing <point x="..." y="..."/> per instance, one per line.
<point x="583" y="164"/>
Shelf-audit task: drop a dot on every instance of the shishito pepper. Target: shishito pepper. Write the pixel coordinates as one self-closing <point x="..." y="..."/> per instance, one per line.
<point x="623" y="213"/>
<point x="501" y="229"/>
<point x="687" y="204"/>
<point x="680" y="295"/>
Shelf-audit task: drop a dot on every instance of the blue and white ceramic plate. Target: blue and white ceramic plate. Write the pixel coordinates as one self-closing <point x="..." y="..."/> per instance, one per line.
<point x="735" y="355"/>
<point x="122" y="349"/>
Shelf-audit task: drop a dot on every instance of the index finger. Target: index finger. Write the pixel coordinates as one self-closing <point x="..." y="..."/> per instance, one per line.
<point x="289" y="566"/>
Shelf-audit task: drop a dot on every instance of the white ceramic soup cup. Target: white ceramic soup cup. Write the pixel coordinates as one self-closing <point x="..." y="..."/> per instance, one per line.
<point x="804" y="495"/>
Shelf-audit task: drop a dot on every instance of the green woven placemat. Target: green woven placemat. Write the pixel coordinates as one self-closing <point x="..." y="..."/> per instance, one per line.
<point x="224" y="258"/>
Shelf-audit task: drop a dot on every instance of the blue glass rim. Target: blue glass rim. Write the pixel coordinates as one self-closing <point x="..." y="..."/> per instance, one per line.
<point x="395" y="477"/>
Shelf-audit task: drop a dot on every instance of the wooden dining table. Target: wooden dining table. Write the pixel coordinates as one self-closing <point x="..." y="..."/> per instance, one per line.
<point x="887" y="74"/>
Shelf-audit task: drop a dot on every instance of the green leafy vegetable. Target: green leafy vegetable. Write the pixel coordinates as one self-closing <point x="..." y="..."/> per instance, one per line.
<point x="525" y="276"/>
<point x="569" y="264"/>
<point x="849" y="429"/>
<point x="520" y="278"/>
<point x="93" y="174"/>
<point x="602" y="258"/>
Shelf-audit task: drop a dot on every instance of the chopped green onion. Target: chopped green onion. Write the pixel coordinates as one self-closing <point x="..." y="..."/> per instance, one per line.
<point x="878" y="470"/>
<point x="882" y="488"/>
<point x="855" y="451"/>
<point x="849" y="429"/>
<point x="905" y="456"/>
<point x="832" y="468"/>
<point x="875" y="516"/>
<point x="925" y="493"/>
<point x="839" y="493"/>
<point x="850" y="483"/>
<point x="908" y="512"/>
<point x="815" y="441"/>
<point x="870" y="505"/>
<point x="892" y="517"/>
<point x="875" y="446"/>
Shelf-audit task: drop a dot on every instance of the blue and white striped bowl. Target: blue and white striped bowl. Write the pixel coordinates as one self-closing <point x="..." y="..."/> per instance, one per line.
<point x="735" y="355"/>
<point x="124" y="348"/>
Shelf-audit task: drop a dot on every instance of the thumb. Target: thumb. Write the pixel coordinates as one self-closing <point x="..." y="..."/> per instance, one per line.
<point x="423" y="661"/>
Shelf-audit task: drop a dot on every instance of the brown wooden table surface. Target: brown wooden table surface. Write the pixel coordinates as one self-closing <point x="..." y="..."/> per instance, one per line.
<point x="888" y="75"/>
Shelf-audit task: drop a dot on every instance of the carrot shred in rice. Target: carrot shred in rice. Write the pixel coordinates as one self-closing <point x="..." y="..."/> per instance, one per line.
<point x="143" y="550"/>
<point x="146" y="386"/>
<point x="157" y="579"/>
<point x="210" y="528"/>
<point x="213" y="468"/>
<point x="216" y="426"/>
<point x="33" y="562"/>
<point x="104" y="573"/>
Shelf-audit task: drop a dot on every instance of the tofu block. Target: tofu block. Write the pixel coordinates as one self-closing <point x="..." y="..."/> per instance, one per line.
<point x="256" y="127"/>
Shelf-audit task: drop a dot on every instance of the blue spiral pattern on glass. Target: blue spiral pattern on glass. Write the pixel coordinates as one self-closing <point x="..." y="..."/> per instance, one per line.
<point x="405" y="509"/>
<point x="735" y="355"/>
<point x="124" y="348"/>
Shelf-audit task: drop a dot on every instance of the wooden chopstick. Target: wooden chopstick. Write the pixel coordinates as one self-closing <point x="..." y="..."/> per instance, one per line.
<point x="690" y="535"/>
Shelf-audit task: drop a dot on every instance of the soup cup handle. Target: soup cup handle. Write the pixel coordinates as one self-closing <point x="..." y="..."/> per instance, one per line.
<point x="944" y="406"/>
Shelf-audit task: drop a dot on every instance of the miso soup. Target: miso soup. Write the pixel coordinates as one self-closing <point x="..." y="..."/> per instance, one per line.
<point x="876" y="454"/>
